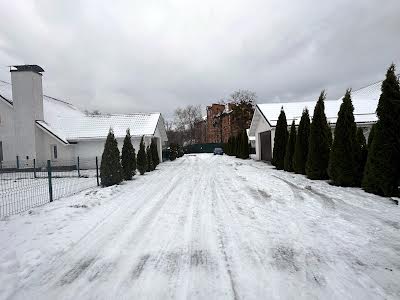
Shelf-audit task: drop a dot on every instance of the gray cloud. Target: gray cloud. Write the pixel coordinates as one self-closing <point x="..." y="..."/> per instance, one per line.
<point x="157" y="55"/>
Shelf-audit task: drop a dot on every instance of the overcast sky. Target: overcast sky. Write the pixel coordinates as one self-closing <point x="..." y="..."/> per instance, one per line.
<point x="131" y="56"/>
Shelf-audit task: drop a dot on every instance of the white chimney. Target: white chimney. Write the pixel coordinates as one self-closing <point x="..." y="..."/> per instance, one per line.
<point x="27" y="94"/>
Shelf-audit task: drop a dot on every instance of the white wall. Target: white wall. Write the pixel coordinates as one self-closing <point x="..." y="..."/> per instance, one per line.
<point x="264" y="126"/>
<point x="261" y="127"/>
<point x="160" y="141"/>
<point x="65" y="153"/>
<point x="7" y="131"/>
<point x="88" y="150"/>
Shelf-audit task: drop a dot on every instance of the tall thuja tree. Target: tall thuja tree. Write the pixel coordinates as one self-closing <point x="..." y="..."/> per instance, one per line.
<point x="288" y="163"/>
<point x="301" y="147"/>
<point x="234" y="146"/>
<point x="342" y="161"/>
<point x="245" y="141"/>
<point x="154" y="152"/>
<point x="319" y="143"/>
<point x="141" y="158"/>
<point x="134" y="162"/>
<point x="360" y="155"/>
<point x="110" y="168"/>
<point x="230" y="146"/>
<point x="149" y="160"/>
<point x="382" y="171"/>
<point x="280" y="141"/>
<point x="371" y="136"/>
<point x="239" y="145"/>
<point x="128" y="158"/>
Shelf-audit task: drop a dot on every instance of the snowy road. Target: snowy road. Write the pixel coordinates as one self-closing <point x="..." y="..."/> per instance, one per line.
<point x="206" y="227"/>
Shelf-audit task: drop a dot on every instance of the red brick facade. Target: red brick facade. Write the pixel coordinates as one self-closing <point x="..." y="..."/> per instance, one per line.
<point x="214" y="130"/>
<point x="220" y="125"/>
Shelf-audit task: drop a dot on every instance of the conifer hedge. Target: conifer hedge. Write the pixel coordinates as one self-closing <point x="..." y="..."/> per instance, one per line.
<point x="245" y="143"/>
<point x="361" y="153"/>
<point x="280" y="141"/>
<point x="301" y="147"/>
<point x="149" y="160"/>
<point x="319" y="143"/>
<point x="382" y="171"/>
<point x="154" y="152"/>
<point x="342" y="162"/>
<point x="110" y="168"/>
<point x="288" y="162"/>
<point x="141" y="158"/>
<point x="128" y="159"/>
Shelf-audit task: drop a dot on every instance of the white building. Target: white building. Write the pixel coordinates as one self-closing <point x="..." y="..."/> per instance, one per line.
<point x="365" y="102"/>
<point x="33" y="125"/>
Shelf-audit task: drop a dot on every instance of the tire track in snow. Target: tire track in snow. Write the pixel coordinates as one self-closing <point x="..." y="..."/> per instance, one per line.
<point x="51" y="273"/>
<point x="221" y="235"/>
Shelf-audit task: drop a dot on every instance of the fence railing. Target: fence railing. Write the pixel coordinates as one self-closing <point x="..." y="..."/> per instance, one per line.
<point x="29" y="183"/>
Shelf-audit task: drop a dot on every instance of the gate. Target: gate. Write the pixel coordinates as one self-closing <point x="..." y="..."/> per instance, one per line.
<point x="266" y="151"/>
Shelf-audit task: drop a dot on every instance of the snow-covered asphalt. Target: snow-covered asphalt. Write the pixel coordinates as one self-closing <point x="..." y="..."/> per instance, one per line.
<point x="205" y="227"/>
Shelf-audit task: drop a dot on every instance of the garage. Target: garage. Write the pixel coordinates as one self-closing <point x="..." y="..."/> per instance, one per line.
<point x="265" y="143"/>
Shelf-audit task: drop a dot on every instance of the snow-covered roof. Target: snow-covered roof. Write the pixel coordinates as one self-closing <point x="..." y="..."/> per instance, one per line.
<point x="365" y="101"/>
<point x="92" y="127"/>
<point x="67" y="123"/>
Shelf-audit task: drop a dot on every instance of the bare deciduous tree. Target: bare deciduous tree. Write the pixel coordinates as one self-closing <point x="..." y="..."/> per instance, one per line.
<point x="185" y="120"/>
<point x="243" y="96"/>
<point x="243" y="107"/>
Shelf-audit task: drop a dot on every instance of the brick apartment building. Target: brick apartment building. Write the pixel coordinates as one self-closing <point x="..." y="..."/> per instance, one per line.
<point x="220" y="124"/>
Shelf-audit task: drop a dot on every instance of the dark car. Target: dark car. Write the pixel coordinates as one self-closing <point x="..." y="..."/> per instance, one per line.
<point x="218" y="151"/>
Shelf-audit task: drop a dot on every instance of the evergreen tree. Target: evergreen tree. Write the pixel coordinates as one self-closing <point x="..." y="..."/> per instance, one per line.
<point x="134" y="162"/>
<point x="288" y="162"/>
<point x="319" y="143"/>
<point x="342" y="161"/>
<point x="233" y="149"/>
<point x="172" y="152"/>
<point x="128" y="158"/>
<point x="154" y="153"/>
<point x="110" y="168"/>
<point x="239" y="152"/>
<point x="382" y="171"/>
<point x="230" y="146"/>
<point x="149" y="160"/>
<point x="141" y="158"/>
<point x="280" y="141"/>
<point x="371" y="136"/>
<point x="301" y="148"/>
<point x="361" y="152"/>
<point x="246" y="150"/>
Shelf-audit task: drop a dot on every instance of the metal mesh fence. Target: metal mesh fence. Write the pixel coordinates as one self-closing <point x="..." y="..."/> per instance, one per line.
<point x="26" y="184"/>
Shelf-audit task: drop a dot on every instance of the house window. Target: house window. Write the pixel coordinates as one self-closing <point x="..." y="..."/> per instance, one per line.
<point x="54" y="153"/>
<point x="1" y="151"/>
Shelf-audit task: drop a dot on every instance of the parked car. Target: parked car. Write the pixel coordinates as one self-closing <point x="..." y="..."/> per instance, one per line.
<point x="218" y="151"/>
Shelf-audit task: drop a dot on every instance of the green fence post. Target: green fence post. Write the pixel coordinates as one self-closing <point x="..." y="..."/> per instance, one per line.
<point x="50" y="184"/>
<point x="79" y="169"/>
<point x="17" y="162"/>
<point x="34" y="167"/>
<point x="97" y="171"/>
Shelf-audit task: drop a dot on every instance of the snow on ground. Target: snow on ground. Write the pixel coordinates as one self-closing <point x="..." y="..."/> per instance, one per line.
<point x="205" y="227"/>
<point x="20" y="191"/>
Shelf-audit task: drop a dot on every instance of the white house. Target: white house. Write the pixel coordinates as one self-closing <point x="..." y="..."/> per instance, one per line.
<point x="33" y="125"/>
<point x="365" y="101"/>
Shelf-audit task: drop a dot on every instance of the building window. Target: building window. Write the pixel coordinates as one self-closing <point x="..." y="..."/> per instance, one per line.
<point x="1" y="151"/>
<point x="54" y="153"/>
